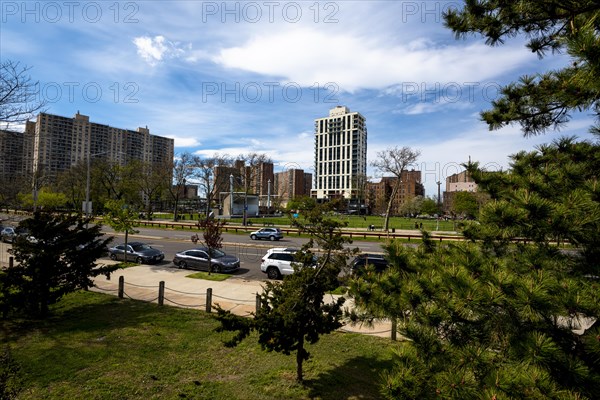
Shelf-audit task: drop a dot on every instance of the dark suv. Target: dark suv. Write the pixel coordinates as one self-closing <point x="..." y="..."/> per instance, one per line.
<point x="377" y="261"/>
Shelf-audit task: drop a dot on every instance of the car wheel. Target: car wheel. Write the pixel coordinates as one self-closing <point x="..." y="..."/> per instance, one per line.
<point x="113" y="257"/>
<point x="273" y="273"/>
<point x="253" y="237"/>
<point x="216" y="268"/>
<point x="182" y="265"/>
<point x="272" y="238"/>
<point x="139" y="260"/>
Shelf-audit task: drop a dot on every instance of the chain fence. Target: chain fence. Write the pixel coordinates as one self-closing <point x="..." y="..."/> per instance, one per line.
<point x="203" y="301"/>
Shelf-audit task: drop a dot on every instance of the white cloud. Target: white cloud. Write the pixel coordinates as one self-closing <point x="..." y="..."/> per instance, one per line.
<point x="428" y="108"/>
<point x="185" y="141"/>
<point x="284" y="156"/>
<point x="158" y="48"/>
<point x="306" y="56"/>
<point x="443" y="157"/>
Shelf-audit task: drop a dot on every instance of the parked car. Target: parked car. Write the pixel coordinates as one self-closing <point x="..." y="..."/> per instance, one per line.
<point x="278" y="262"/>
<point x="138" y="252"/>
<point x="9" y="233"/>
<point x="267" y="233"/>
<point x="198" y="259"/>
<point x="377" y="261"/>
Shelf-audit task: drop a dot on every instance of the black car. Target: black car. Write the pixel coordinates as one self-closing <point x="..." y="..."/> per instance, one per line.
<point x="198" y="259"/>
<point x="138" y="252"/>
<point x="377" y="261"/>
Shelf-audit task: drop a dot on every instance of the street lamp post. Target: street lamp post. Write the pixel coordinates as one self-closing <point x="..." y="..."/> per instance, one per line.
<point x="268" y="197"/>
<point x="231" y="195"/>
<point x="86" y="207"/>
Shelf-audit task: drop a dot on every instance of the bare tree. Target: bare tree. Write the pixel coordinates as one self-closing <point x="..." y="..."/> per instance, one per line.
<point x="116" y="181"/>
<point x="250" y="176"/>
<point x="19" y="99"/>
<point x="360" y="182"/>
<point x="213" y="240"/>
<point x="71" y="182"/>
<point x="394" y="161"/>
<point x="183" y="170"/>
<point x="204" y="172"/>
<point x="153" y="180"/>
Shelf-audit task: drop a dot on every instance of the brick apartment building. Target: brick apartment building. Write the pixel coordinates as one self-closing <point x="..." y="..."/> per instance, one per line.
<point x="378" y="193"/>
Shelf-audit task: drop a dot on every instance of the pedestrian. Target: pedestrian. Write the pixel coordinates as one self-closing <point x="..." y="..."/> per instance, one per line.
<point x="195" y="238"/>
<point x="416" y="225"/>
<point x="421" y="225"/>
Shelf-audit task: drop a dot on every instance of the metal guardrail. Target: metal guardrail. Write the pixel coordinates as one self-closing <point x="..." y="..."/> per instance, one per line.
<point x="296" y="232"/>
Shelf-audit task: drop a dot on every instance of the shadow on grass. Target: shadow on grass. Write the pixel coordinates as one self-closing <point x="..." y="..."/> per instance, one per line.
<point x="84" y="312"/>
<point x="350" y="380"/>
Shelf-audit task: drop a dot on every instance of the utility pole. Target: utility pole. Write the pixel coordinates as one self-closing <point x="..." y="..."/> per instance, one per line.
<point x="268" y="197"/>
<point x="231" y="196"/>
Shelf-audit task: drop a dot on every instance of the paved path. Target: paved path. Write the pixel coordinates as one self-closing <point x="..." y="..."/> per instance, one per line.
<point x="233" y="294"/>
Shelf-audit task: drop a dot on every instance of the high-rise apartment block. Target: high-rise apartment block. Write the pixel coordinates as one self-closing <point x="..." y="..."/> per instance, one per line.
<point x="258" y="178"/>
<point x="54" y="144"/>
<point x="262" y="178"/>
<point x="460" y="182"/>
<point x="12" y="150"/>
<point x="378" y="193"/>
<point x="340" y="154"/>
<point x="292" y="183"/>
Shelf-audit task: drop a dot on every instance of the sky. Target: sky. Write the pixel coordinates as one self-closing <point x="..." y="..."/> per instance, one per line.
<point x="252" y="76"/>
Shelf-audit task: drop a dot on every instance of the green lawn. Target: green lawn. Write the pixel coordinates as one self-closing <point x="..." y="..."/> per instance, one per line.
<point x="95" y="346"/>
<point x="205" y="275"/>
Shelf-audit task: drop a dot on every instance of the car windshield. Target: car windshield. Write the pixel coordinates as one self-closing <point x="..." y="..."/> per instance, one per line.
<point x="140" y="247"/>
<point x="214" y="253"/>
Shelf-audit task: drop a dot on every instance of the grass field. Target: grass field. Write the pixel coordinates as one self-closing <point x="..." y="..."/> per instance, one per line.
<point x="96" y="346"/>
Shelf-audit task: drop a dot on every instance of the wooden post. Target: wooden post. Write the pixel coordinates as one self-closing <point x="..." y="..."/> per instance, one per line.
<point x="257" y="302"/>
<point x="161" y="293"/>
<point x="208" y="300"/>
<point x="394" y="328"/>
<point x="121" y="286"/>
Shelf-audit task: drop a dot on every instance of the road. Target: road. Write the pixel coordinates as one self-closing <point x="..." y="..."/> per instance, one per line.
<point x="250" y="252"/>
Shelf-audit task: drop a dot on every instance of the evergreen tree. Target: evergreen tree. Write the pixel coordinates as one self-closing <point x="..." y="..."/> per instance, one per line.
<point x="57" y="257"/>
<point x="508" y="314"/>
<point x="542" y="101"/>
<point x="295" y="312"/>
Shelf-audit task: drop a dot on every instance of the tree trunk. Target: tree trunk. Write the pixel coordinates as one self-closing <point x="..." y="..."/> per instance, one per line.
<point x="126" y="237"/>
<point x="389" y="205"/>
<point x="209" y="261"/>
<point x="299" y="359"/>
<point x="208" y="202"/>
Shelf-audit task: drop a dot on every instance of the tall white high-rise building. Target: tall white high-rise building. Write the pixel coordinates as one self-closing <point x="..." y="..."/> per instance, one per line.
<point x="340" y="155"/>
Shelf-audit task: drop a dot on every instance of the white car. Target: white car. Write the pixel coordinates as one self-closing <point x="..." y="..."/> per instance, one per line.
<point x="278" y="262"/>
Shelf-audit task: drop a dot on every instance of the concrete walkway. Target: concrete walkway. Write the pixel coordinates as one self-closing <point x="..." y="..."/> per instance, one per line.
<point x="234" y="294"/>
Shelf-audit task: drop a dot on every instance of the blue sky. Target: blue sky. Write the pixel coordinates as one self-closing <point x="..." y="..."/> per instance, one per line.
<point x="241" y="77"/>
